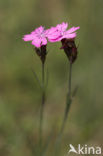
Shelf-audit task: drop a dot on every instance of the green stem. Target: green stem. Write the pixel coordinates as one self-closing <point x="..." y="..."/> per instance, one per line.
<point x="42" y="105"/>
<point x="70" y="76"/>
<point x="68" y="103"/>
<point x="68" y="100"/>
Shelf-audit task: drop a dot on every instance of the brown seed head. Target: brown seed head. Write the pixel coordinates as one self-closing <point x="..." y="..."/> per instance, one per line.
<point x="41" y="52"/>
<point x="70" y="49"/>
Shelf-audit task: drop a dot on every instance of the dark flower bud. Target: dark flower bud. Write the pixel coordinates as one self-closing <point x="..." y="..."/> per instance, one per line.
<point x="41" y="52"/>
<point x="70" y="49"/>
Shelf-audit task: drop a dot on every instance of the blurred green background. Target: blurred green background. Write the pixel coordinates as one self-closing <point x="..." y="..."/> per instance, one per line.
<point x="20" y="95"/>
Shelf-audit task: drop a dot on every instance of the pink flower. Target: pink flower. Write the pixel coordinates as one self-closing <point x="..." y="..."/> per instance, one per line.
<point x="53" y="34"/>
<point x="59" y="32"/>
<point x="38" y="37"/>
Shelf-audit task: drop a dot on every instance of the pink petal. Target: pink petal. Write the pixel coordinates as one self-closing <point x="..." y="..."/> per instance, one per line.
<point x="51" y="30"/>
<point x="54" y="36"/>
<point x="73" y="35"/>
<point x="71" y="30"/>
<point x="53" y="33"/>
<point x="36" y="42"/>
<point x="28" y="37"/>
<point x="43" y="41"/>
<point x="62" y="27"/>
<point x="33" y="32"/>
<point x="55" y="40"/>
<point x="46" y="32"/>
<point x="39" y="30"/>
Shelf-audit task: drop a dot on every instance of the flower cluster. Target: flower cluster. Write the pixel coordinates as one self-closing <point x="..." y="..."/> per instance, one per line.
<point x="40" y="36"/>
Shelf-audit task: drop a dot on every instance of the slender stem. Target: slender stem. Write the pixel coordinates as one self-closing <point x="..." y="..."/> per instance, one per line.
<point x="42" y="104"/>
<point x="68" y="103"/>
<point x="68" y="99"/>
<point x="70" y="76"/>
